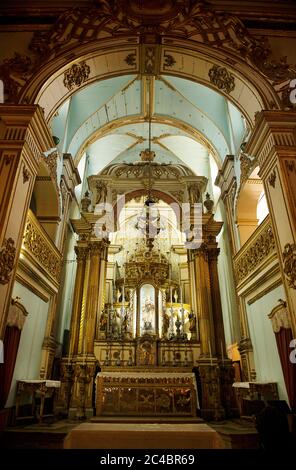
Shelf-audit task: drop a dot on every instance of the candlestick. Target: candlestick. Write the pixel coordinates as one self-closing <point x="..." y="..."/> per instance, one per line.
<point x="210" y="350"/>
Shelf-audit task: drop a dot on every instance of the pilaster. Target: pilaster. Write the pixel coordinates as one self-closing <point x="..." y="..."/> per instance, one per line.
<point x="24" y="136"/>
<point x="273" y="145"/>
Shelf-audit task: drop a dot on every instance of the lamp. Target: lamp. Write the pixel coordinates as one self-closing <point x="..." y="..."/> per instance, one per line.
<point x="148" y="221"/>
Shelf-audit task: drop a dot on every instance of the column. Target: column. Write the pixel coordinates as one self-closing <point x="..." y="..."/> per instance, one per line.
<point x="69" y="179"/>
<point x="24" y="136"/>
<point x="226" y="375"/>
<point x="273" y="144"/>
<point x="211" y="407"/>
<point x="213" y="252"/>
<point x="226" y="180"/>
<point x="94" y="292"/>
<point x="81" y="254"/>
<point x="203" y="300"/>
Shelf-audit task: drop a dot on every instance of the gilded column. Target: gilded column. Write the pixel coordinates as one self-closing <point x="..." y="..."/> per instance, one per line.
<point x="273" y="145"/>
<point x="81" y="254"/>
<point x="96" y="269"/>
<point x="24" y="136"/>
<point x="203" y="300"/>
<point x="213" y="252"/>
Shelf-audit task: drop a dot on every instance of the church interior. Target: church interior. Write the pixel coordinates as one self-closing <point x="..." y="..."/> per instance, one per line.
<point x="147" y="224"/>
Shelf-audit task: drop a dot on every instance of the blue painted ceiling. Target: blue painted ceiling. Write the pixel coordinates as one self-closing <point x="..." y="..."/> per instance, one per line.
<point x="108" y="121"/>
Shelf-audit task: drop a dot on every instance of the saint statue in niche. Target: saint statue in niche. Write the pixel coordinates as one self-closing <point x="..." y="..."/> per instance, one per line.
<point x="148" y="313"/>
<point x="147" y="308"/>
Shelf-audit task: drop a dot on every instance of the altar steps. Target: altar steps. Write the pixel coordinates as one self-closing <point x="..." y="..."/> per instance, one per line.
<point x="146" y="419"/>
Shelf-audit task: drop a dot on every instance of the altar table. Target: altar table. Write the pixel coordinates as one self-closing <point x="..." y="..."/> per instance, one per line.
<point x="146" y="393"/>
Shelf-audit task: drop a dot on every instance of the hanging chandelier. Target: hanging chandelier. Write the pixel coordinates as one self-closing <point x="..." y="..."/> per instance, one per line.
<point x="148" y="222"/>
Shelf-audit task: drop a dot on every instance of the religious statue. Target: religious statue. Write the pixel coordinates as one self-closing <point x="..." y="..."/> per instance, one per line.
<point x="176" y="297"/>
<point x="85" y="202"/>
<point x="103" y="320"/>
<point x="192" y="324"/>
<point x="165" y="324"/>
<point x="101" y="192"/>
<point x="148" y="313"/>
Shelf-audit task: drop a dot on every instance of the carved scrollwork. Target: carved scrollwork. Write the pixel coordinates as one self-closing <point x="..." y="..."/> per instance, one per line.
<point x="36" y="243"/>
<point x="7" y="257"/>
<point x="76" y="75"/>
<point x="222" y="78"/>
<point x="26" y="174"/>
<point x="272" y="178"/>
<point x="131" y="59"/>
<point x="289" y="259"/>
<point x="247" y="165"/>
<point x="169" y="60"/>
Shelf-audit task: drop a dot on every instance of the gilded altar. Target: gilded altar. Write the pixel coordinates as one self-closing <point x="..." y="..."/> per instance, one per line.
<point x="145" y="392"/>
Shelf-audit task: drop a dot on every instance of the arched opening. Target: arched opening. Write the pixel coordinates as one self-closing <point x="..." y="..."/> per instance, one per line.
<point x="251" y="207"/>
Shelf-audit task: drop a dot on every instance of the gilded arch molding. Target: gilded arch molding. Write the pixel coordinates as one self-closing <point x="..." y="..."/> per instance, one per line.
<point x="187" y="39"/>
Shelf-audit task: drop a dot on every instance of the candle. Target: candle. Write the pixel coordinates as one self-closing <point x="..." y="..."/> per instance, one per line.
<point x="210" y="350"/>
<point x="171" y="291"/>
<point x="222" y="353"/>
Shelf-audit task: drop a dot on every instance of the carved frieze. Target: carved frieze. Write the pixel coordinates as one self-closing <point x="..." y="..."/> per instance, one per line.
<point x="289" y="259"/>
<point x="258" y="249"/>
<point x="7" y="257"/>
<point x="76" y="75"/>
<point x="222" y="78"/>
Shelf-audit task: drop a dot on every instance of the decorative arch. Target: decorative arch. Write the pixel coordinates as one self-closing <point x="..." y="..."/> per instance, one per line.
<point x="188" y="39"/>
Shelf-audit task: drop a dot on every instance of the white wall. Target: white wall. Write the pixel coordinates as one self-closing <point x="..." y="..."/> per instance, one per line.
<point x="267" y="361"/>
<point x="29" y="353"/>
<point x="226" y="282"/>
<point x="68" y="277"/>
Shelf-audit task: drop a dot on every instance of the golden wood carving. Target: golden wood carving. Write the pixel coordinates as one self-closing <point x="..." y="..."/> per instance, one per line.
<point x="185" y="19"/>
<point x="257" y="250"/>
<point x="289" y="259"/>
<point x="272" y="178"/>
<point x="76" y="75"/>
<point x="146" y="396"/>
<point x="7" y="256"/>
<point x="222" y="78"/>
<point x="37" y="243"/>
<point x="247" y="165"/>
<point x="26" y="174"/>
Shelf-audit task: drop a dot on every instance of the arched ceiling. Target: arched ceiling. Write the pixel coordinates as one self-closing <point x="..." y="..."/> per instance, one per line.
<point x="109" y="121"/>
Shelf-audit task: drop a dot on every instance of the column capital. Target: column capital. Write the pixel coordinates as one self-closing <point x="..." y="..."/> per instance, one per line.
<point x="81" y="252"/>
<point x="274" y="131"/>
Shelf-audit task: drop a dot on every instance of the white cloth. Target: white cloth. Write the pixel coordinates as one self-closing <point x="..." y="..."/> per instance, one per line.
<point x="1" y="352"/>
<point x="48" y="383"/>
